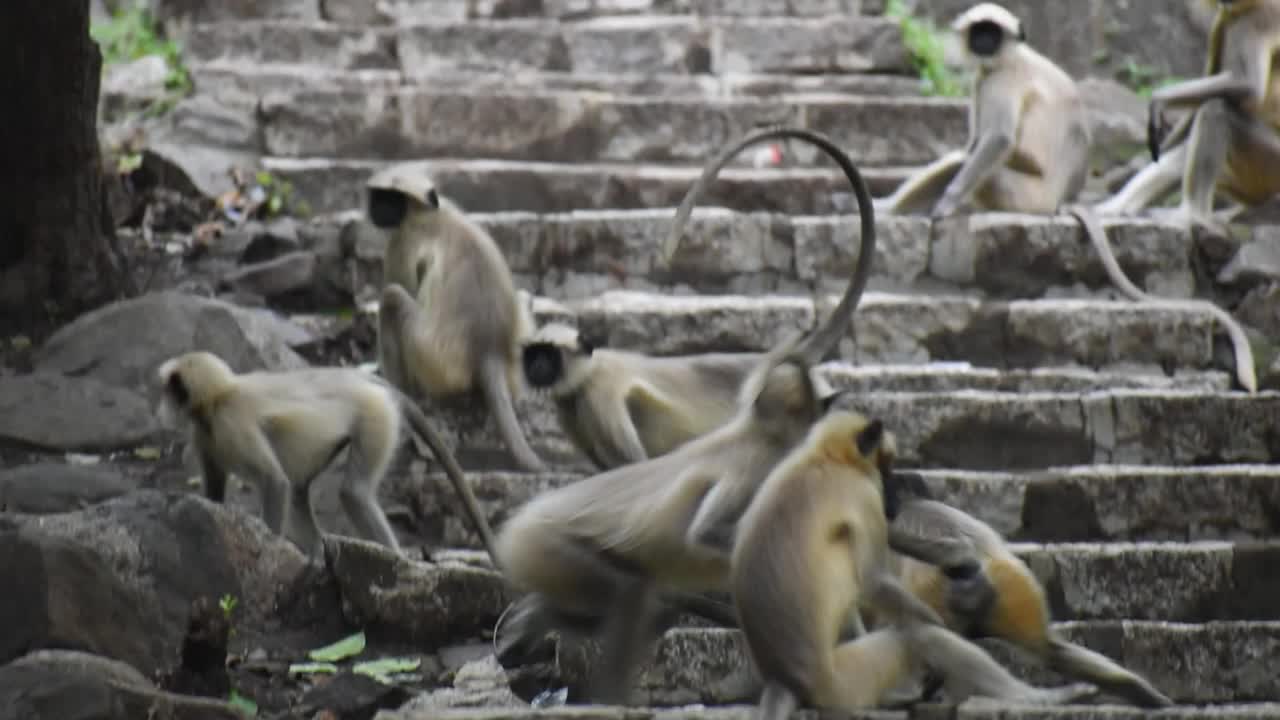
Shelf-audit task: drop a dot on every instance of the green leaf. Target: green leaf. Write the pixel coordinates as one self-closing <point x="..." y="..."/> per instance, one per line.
<point x="247" y="707"/>
<point x="349" y="646"/>
<point x="383" y="668"/>
<point x="264" y="178"/>
<point x="313" y="668"/>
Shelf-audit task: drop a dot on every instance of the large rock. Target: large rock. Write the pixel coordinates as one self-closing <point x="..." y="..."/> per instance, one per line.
<point x="70" y="685"/>
<point x="50" y="487"/>
<point x="195" y="147"/>
<point x="123" y="343"/>
<point x="56" y="412"/>
<point x="117" y="578"/>
<point x="426" y="603"/>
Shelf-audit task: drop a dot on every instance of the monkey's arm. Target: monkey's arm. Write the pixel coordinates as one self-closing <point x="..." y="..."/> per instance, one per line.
<point x="215" y="478"/>
<point x="718" y="513"/>
<point x="992" y="147"/>
<point x="1225" y="85"/>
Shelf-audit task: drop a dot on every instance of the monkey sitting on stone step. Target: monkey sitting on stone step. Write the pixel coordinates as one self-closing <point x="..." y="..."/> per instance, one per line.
<point x="450" y="318"/>
<point x="280" y="430"/>
<point x="1230" y="141"/>
<point x="811" y="547"/>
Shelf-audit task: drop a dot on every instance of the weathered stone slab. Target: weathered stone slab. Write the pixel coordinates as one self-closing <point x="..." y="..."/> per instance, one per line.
<point x="1119" y="502"/>
<point x="293" y="43"/>
<point x="582" y="127"/>
<point x="897" y="328"/>
<point x="965" y="711"/>
<point x="219" y="79"/>
<point x="56" y="412"/>
<point x="836" y="44"/>
<point x="490" y="186"/>
<point x="995" y="251"/>
<point x="1209" y="663"/>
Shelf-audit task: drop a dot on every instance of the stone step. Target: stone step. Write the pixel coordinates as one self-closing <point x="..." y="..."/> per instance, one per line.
<point x="412" y="11"/>
<point x="978" y="430"/>
<point x="566" y="255"/>
<point x="1067" y="504"/>
<point x="218" y="78"/>
<point x="633" y="44"/>
<point x="902" y="328"/>
<point x="507" y="186"/>
<point x="593" y="127"/>
<point x="965" y="711"/>
<point x="1192" y="663"/>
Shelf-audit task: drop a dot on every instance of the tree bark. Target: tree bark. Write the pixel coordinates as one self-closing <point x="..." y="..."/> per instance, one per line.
<point x="58" y="250"/>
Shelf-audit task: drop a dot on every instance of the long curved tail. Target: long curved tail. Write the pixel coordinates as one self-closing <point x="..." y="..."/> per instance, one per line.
<point x="1245" y="370"/>
<point x="817" y="345"/>
<point x="493" y="380"/>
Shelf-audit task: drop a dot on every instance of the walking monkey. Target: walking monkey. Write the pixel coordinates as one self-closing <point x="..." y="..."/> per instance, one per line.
<point x="280" y="430"/>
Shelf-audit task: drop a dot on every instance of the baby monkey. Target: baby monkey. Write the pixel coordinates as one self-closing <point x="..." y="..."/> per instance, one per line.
<point x="280" y="430"/>
<point x="812" y="547"/>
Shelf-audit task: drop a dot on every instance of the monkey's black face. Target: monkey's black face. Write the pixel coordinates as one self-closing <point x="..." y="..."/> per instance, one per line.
<point x="387" y="208"/>
<point x="178" y="390"/>
<point x="543" y="364"/>
<point x="869" y="437"/>
<point x="985" y="38"/>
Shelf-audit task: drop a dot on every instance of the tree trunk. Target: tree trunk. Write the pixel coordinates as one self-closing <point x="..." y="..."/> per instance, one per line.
<point x="58" y="251"/>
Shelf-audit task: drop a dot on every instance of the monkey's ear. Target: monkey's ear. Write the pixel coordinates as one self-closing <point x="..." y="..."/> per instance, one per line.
<point x="586" y="346"/>
<point x="870" y="437"/>
<point x="432" y="199"/>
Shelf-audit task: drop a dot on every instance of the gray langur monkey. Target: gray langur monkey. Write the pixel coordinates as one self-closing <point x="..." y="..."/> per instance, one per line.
<point x="280" y="430"/>
<point x="812" y="546"/>
<point x="450" y="318"/>
<point x="621" y="407"/>
<point x="1029" y="133"/>
<point x="981" y="589"/>
<point x="1230" y="141"/>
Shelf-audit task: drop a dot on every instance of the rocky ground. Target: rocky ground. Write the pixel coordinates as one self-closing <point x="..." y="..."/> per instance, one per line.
<point x="1107" y="440"/>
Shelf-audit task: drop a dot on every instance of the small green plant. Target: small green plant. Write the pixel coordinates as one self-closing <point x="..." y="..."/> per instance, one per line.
<point x="1142" y="79"/>
<point x="280" y="196"/>
<point x="924" y="42"/>
<point x="228" y="604"/>
<point x="131" y="34"/>
<point x="244" y="705"/>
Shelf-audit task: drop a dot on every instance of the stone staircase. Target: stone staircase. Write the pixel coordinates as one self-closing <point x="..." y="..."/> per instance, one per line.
<point x="1102" y="437"/>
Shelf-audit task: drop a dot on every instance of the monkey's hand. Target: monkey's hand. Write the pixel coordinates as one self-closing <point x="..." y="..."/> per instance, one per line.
<point x="1157" y="129"/>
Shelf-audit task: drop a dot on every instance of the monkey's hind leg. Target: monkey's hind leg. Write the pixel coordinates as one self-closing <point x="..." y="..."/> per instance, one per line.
<point x="303" y="530"/>
<point x="967" y="670"/>
<point x="1229" y="152"/>
<point x="626" y="639"/>
<point x="1075" y="661"/>
<point x="1147" y="187"/>
<point x="920" y="192"/>
<point x="359" y="494"/>
<point x="493" y="380"/>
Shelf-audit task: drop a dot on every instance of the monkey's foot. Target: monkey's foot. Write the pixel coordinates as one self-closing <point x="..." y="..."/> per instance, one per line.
<point x="1198" y="223"/>
<point x="1064" y="694"/>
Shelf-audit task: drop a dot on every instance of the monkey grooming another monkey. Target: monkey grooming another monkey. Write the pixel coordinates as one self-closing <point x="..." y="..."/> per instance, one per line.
<point x="622" y="407"/>
<point x="1029" y="132"/>
<point x="450" y="318"/>
<point x="1232" y="137"/>
<point x="988" y="591"/>
<point x="280" y="430"/>
<point x="814" y="544"/>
